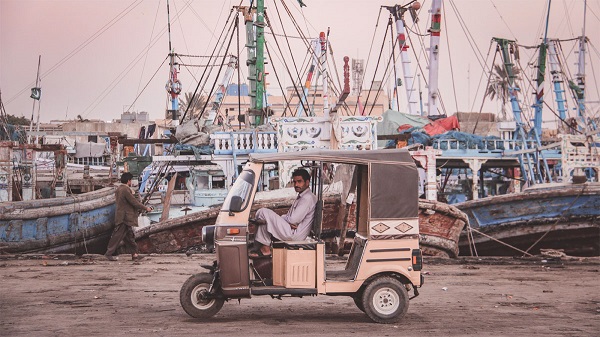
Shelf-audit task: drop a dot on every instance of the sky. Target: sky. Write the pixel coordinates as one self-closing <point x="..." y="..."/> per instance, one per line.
<point x="100" y="58"/>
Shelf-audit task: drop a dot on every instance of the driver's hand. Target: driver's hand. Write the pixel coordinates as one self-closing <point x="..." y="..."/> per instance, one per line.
<point x="294" y="226"/>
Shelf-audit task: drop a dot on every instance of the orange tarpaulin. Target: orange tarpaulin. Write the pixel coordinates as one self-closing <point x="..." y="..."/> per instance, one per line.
<point x="442" y="125"/>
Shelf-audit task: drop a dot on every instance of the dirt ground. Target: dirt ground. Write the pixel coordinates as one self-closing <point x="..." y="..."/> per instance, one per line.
<point x="89" y="296"/>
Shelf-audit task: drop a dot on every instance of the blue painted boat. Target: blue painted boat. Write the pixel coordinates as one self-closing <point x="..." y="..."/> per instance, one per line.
<point x="76" y="224"/>
<point x="549" y="216"/>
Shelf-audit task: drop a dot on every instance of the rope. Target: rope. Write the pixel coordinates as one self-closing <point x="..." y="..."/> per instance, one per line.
<point x="200" y="56"/>
<point x="79" y="48"/>
<point x="267" y="19"/>
<point x="501" y="242"/>
<point x="205" y="69"/>
<point x="451" y="66"/>
<point x="368" y="58"/>
<point x="336" y="88"/>
<point x="395" y="72"/>
<point x="593" y="70"/>
<point x="472" y="247"/>
<point x="200" y="65"/>
<point x="287" y="103"/>
<point x="377" y="66"/>
<point x="557" y="220"/>
<point x="235" y="24"/>
<point x="149" y="44"/>
<point x="306" y="43"/>
<point x="485" y="94"/>
<point x="85" y="242"/>
<point x="146" y="86"/>
<point x="503" y="21"/>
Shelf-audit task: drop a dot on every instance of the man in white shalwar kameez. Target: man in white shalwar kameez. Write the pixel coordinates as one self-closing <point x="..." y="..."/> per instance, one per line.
<point x="295" y="225"/>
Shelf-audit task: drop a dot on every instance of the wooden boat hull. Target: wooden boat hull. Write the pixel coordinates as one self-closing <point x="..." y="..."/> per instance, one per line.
<point x="440" y="226"/>
<point x="559" y="216"/>
<point x="182" y="233"/>
<point x="77" y="224"/>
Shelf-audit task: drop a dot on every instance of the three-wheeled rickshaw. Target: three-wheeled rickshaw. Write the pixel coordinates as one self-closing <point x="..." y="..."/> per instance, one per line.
<point x="384" y="262"/>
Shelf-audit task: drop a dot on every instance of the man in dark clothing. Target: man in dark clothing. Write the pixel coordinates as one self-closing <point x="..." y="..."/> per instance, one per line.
<point x="125" y="219"/>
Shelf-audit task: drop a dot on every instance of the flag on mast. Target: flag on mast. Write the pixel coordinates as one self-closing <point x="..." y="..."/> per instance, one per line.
<point x="36" y="93"/>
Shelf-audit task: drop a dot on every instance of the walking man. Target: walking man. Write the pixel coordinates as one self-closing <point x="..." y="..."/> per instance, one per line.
<point x="125" y="219"/>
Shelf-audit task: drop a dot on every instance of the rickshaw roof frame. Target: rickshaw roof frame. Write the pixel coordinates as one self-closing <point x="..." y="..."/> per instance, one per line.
<point x="357" y="157"/>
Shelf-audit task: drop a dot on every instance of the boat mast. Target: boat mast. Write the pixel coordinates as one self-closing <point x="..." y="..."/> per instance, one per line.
<point x="324" y="40"/>
<point x="222" y="89"/>
<point x="173" y="86"/>
<point x="434" y="38"/>
<point x="398" y="12"/>
<point x="255" y="38"/>
<point x="506" y="48"/>
<point x="580" y="76"/>
<point x="530" y="161"/>
<point x="36" y="94"/>
<point x="556" y="79"/>
<point x="541" y="71"/>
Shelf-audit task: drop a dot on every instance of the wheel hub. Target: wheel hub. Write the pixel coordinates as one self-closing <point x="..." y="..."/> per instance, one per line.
<point x="386" y="300"/>
<point x="199" y="298"/>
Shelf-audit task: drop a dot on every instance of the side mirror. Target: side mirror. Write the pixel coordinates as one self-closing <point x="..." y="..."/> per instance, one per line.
<point x="235" y="205"/>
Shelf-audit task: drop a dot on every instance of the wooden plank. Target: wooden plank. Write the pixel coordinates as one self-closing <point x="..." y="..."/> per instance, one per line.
<point x="167" y="205"/>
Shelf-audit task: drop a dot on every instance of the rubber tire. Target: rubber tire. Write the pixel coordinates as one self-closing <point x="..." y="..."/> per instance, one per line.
<point x="189" y="301"/>
<point x="385" y="300"/>
<point x="358" y="301"/>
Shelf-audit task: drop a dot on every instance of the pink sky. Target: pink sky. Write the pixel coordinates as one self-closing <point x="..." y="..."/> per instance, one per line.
<point x="99" y="76"/>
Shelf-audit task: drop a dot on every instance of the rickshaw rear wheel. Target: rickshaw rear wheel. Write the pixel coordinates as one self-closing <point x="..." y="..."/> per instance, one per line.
<point x="385" y="300"/>
<point x="191" y="297"/>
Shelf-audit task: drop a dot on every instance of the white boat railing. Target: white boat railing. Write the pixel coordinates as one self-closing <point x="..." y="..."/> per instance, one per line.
<point x="493" y="147"/>
<point x="244" y="142"/>
<point x="483" y="145"/>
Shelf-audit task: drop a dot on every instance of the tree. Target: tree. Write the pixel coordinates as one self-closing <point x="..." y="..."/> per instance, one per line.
<point x="498" y="86"/>
<point x="195" y="105"/>
<point x="81" y="119"/>
<point x="14" y="120"/>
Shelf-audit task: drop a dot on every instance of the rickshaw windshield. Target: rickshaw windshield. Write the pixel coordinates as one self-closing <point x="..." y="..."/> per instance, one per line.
<point x="242" y="188"/>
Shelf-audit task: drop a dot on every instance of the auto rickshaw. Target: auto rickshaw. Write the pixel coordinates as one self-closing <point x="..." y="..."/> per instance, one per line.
<point x="384" y="262"/>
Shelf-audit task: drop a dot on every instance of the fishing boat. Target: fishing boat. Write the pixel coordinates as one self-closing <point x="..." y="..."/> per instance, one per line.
<point x="561" y="216"/>
<point x="36" y="213"/>
<point x="77" y="224"/>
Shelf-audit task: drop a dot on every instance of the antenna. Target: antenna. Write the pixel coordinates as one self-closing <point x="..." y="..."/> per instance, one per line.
<point x="358" y="71"/>
<point x="169" y="24"/>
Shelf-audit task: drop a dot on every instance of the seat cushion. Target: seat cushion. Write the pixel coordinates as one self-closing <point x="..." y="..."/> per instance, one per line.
<point x="295" y="245"/>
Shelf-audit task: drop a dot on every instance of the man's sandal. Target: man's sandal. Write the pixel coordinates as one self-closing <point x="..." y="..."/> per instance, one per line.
<point x="259" y="255"/>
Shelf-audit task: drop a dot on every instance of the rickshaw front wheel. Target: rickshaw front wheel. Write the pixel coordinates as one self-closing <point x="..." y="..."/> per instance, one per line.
<point x="192" y="297"/>
<point x="385" y="300"/>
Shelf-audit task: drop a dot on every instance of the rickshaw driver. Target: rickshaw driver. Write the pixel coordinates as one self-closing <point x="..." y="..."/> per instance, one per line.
<point x="295" y="225"/>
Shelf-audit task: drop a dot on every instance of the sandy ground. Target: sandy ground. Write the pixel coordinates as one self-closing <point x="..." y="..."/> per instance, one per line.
<point x="69" y="296"/>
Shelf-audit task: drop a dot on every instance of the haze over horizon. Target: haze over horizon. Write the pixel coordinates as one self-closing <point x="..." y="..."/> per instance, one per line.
<point x="98" y="57"/>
